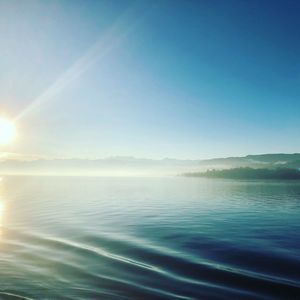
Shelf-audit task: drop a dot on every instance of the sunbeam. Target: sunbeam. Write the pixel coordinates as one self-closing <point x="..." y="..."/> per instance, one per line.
<point x="110" y="40"/>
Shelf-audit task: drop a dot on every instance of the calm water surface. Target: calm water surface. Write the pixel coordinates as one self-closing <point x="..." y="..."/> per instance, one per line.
<point x="148" y="238"/>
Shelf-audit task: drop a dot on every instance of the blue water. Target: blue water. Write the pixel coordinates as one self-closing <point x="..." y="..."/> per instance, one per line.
<point x="149" y="238"/>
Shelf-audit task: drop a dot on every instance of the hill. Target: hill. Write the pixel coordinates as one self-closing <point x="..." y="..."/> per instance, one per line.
<point x="254" y="161"/>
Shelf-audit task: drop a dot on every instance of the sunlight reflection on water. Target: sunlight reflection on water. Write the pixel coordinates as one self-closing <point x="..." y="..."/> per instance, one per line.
<point x="2" y="210"/>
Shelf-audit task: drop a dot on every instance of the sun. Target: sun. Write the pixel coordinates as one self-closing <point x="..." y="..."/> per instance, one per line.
<point x="7" y="131"/>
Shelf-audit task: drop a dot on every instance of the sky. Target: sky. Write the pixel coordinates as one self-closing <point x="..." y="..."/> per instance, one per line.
<point x="182" y="79"/>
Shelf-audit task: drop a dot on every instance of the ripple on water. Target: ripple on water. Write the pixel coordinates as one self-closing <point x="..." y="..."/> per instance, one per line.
<point x="92" y="250"/>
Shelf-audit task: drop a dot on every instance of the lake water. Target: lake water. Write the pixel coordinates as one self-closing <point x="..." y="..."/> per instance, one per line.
<point x="148" y="238"/>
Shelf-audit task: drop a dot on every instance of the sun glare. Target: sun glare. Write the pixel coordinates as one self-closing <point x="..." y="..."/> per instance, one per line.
<point x="7" y="131"/>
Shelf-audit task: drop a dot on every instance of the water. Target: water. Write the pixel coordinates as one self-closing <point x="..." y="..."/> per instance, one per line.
<point x="148" y="238"/>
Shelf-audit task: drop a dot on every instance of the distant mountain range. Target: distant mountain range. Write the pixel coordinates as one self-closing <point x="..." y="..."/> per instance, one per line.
<point x="138" y="166"/>
<point x="108" y="166"/>
<point x="254" y="161"/>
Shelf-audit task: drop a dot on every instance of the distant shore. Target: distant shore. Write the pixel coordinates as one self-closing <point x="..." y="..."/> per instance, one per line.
<point x="249" y="173"/>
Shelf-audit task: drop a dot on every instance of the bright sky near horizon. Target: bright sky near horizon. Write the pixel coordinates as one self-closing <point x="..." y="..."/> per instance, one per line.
<point x="185" y="79"/>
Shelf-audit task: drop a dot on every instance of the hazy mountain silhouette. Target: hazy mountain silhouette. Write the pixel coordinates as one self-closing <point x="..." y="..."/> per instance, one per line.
<point x="141" y="166"/>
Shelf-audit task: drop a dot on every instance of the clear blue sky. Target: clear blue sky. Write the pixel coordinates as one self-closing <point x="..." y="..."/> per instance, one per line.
<point x="185" y="79"/>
